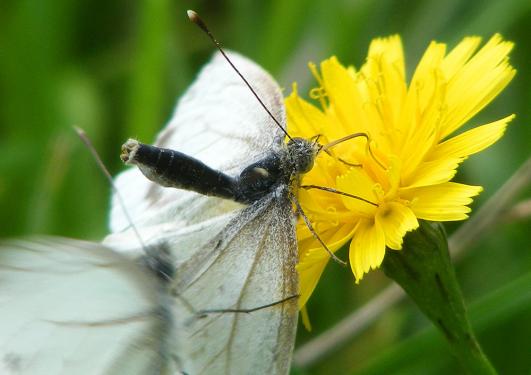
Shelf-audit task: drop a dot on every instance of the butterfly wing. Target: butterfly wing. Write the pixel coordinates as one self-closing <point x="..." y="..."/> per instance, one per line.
<point x="227" y="257"/>
<point x="217" y="121"/>
<point x="249" y="264"/>
<point x="74" y="307"/>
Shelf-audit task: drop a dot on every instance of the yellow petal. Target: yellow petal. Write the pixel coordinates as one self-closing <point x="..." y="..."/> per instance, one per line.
<point x="315" y="203"/>
<point x="433" y="172"/>
<point x="392" y="175"/>
<point x="459" y="56"/>
<point x="385" y="68"/>
<point x="358" y="183"/>
<point x="395" y="220"/>
<point x="334" y="237"/>
<point x="310" y="271"/>
<point x="367" y="248"/>
<point x="344" y="97"/>
<point x="313" y="258"/>
<point x="391" y="50"/>
<point x="305" y="317"/>
<point x="471" y="141"/>
<point x="478" y="82"/>
<point x="324" y="173"/>
<point x="444" y="202"/>
<point x="304" y="119"/>
<point x="423" y="83"/>
<point x="421" y="128"/>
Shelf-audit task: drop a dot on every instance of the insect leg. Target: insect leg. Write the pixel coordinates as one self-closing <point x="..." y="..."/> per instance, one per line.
<point x="203" y="313"/>
<point x="314" y="233"/>
<point x="335" y="191"/>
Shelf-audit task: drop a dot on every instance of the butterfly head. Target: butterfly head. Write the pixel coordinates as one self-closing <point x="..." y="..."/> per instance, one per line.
<point x="301" y="154"/>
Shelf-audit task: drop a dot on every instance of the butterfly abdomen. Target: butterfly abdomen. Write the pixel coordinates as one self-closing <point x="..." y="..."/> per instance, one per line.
<point x="172" y="168"/>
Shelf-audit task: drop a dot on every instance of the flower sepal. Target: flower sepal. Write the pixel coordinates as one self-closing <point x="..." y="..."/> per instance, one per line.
<point x="424" y="270"/>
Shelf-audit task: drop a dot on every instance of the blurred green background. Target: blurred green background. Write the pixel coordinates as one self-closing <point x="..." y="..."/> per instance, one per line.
<point x="115" y="69"/>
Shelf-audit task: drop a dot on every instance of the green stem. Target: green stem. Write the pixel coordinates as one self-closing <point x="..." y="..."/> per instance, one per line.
<point x="424" y="270"/>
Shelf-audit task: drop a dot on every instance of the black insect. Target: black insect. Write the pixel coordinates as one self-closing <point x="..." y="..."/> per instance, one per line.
<point x="170" y="168"/>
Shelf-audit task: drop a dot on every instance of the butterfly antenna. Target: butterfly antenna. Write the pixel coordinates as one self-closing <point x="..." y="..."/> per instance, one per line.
<point x="81" y="133"/>
<point x="194" y="17"/>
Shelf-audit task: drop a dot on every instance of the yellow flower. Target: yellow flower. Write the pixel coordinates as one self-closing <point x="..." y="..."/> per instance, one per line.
<point x="403" y="172"/>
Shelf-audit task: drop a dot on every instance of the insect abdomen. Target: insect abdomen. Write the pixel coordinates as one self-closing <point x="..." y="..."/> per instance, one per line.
<point x="172" y="168"/>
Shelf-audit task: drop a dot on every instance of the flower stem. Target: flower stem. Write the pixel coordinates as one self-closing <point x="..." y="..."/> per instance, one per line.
<point x="424" y="270"/>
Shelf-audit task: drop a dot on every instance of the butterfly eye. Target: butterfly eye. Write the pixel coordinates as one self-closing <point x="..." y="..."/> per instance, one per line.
<point x="302" y="153"/>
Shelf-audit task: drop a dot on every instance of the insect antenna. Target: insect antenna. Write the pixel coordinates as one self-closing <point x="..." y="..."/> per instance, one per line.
<point x="194" y="17"/>
<point x="85" y="139"/>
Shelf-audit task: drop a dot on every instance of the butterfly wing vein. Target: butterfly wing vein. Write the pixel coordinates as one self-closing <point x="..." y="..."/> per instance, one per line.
<point x="250" y="264"/>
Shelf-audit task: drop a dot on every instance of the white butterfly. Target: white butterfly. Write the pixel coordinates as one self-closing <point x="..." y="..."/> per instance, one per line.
<point x="228" y="256"/>
<point x="75" y="307"/>
<point x="69" y="306"/>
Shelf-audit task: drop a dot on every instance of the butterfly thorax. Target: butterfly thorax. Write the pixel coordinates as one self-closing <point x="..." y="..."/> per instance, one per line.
<point x="279" y="167"/>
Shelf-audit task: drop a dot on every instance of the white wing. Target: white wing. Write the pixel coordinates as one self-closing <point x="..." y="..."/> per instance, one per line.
<point x="227" y="257"/>
<point x="241" y="260"/>
<point x="217" y="121"/>
<point x="73" y="307"/>
<point x="250" y="264"/>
